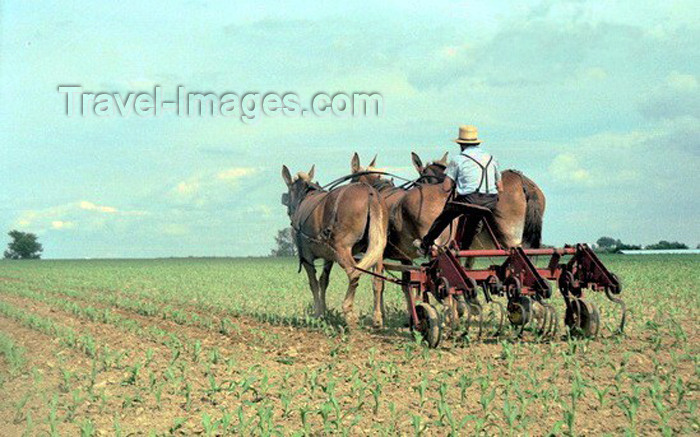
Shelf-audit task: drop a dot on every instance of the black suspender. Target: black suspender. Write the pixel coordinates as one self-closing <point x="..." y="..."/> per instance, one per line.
<point x="484" y="172"/>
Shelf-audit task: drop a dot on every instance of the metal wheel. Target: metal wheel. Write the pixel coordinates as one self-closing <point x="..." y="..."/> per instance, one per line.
<point x="428" y="324"/>
<point x="582" y="318"/>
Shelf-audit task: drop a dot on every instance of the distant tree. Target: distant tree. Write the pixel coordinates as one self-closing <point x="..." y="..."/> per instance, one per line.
<point x="286" y="243"/>
<point x="24" y="245"/>
<point x="665" y="245"/>
<point x="608" y="243"/>
<point x="622" y="246"/>
<point x="611" y="245"/>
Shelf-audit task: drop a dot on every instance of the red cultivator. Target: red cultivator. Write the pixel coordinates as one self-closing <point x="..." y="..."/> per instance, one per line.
<point x="525" y="286"/>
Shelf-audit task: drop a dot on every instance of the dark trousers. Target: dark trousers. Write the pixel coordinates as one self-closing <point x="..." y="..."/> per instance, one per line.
<point x="453" y="210"/>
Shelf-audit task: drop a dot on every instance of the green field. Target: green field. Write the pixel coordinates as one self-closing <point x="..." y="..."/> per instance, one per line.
<point x="227" y="346"/>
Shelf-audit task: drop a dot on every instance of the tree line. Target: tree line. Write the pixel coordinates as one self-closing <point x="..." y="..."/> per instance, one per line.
<point x="25" y="245"/>
<point x="612" y="245"/>
<point x="286" y="246"/>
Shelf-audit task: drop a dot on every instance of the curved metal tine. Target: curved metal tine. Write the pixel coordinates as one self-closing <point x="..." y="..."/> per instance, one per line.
<point x="499" y="313"/>
<point x="541" y="328"/>
<point x="546" y="330"/>
<point x="594" y="309"/>
<point x="446" y="316"/>
<point x="554" y="320"/>
<point x="488" y="301"/>
<point x="468" y="321"/>
<point x="450" y="314"/>
<point x="480" y="308"/>
<point x="623" y="308"/>
<point x="504" y="315"/>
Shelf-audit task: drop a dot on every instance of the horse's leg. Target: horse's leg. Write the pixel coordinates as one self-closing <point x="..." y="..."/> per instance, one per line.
<point x="347" y="262"/>
<point x="324" y="282"/>
<point x="319" y="309"/>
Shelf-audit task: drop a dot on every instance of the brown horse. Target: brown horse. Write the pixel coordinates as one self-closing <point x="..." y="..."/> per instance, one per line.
<point x="519" y="211"/>
<point x="334" y="226"/>
<point x="411" y="211"/>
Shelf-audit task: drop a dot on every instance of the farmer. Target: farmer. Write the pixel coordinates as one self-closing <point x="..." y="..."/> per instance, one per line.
<point x="475" y="177"/>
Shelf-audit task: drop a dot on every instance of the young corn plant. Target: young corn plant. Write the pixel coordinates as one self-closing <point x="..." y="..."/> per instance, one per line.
<point x="421" y="389"/>
<point x="87" y="428"/>
<point x="629" y="404"/>
<point x="465" y="381"/>
<point x="210" y="426"/>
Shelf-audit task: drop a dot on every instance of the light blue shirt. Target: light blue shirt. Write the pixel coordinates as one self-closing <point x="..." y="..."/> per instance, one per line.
<point x="471" y="177"/>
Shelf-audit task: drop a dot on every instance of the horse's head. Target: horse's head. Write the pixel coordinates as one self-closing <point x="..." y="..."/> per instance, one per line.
<point x="373" y="179"/>
<point x="434" y="172"/>
<point x="297" y="188"/>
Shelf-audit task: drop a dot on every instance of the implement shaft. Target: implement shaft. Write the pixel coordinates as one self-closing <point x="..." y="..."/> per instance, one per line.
<point x="500" y="252"/>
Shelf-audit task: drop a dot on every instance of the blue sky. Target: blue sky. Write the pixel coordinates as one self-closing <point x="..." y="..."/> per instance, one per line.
<point x="597" y="101"/>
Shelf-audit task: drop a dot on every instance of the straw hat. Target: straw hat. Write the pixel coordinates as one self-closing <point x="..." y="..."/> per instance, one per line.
<point x="467" y="135"/>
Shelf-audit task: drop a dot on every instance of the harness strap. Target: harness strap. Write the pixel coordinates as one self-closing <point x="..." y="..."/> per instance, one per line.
<point x="484" y="172"/>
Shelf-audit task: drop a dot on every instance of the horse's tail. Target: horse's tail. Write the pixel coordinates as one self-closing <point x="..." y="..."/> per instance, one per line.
<point x="534" y="213"/>
<point x="377" y="224"/>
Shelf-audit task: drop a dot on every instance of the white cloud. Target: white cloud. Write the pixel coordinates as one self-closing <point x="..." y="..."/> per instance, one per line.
<point x="259" y="210"/>
<point x="89" y="206"/>
<point x="677" y="96"/>
<point x="682" y="82"/>
<point x="566" y="168"/>
<point x="175" y="229"/>
<point x="188" y="187"/>
<point x="235" y="173"/>
<point x="205" y="188"/>
<point x="82" y="214"/>
<point x="60" y="224"/>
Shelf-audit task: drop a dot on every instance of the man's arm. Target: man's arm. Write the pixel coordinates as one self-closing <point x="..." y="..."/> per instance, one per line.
<point x="450" y="176"/>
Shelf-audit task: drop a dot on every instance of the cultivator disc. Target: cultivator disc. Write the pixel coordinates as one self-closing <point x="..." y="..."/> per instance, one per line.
<point x="582" y="318"/>
<point x="429" y="324"/>
<point x="520" y="310"/>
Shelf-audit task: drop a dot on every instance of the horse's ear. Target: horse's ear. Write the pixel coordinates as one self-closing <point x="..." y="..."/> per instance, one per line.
<point x="311" y="172"/>
<point x="443" y="160"/>
<point x="286" y="176"/>
<point x="355" y="163"/>
<point x="417" y="163"/>
<point x="374" y="162"/>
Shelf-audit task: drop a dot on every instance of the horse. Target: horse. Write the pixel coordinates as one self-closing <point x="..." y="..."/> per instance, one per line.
<point x="334" y="226"/>
<point x="411" y="210"/>
<point x="518" y="215"/>
<point x="519" y="212"/>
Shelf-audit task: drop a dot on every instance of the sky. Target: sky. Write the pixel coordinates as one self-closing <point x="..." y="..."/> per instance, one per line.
<point x="597" y="101"/>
